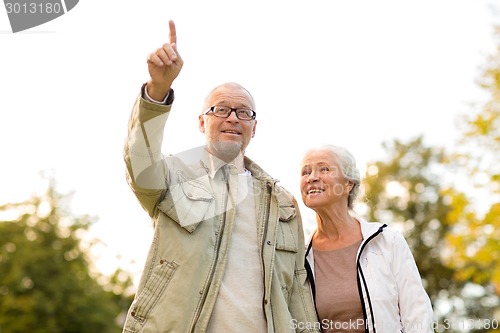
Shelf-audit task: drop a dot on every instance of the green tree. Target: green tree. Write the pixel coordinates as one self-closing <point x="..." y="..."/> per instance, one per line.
<point x="475" y="233"/>
<point x="47" y="284"/>
<point x="406" y="192"/>
<point x="475" y="238"/>
<point x="412" y="191"/>
<point x="448" y="207"/>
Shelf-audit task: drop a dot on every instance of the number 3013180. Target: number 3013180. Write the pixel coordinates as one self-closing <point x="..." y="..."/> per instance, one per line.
<point x="33" y="8"/>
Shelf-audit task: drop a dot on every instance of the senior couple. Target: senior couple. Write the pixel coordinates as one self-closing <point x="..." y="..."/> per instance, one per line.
<point x="228" y="252"/>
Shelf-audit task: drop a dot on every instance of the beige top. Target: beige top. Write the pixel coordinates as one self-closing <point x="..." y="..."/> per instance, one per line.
<point x="238" y="307"/>
<point x="337" y="296"/>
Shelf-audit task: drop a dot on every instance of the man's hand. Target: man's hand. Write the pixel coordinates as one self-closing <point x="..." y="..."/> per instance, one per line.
<point x="164" y="65"/>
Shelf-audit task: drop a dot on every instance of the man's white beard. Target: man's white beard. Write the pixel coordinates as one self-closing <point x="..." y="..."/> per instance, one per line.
<point x="225" y="150"/>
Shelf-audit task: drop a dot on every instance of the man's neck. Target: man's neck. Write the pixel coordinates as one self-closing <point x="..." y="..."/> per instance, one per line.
<point x="229" y="152"/>
<point x="239" y="163"/>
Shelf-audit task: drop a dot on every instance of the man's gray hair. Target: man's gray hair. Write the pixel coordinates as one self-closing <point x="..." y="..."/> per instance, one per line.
<point x="206" y="103"/>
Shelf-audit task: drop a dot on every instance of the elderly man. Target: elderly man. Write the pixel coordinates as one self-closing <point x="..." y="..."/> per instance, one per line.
<point x="228" y="247"/>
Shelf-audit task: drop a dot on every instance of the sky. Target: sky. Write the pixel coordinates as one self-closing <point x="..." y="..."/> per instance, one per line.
<point x="350" y="73"/>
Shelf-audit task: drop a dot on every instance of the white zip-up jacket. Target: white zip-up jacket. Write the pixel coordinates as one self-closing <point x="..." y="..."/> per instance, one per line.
<point x="389" y="283"/>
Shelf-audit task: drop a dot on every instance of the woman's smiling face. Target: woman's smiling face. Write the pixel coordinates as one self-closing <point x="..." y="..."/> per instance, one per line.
<point x="322" y="182"/>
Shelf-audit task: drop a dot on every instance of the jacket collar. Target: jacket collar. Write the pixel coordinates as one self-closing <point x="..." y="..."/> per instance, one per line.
<point x="258" y="172"/>
<point x="368" y="229"/>
<point x="212" y="164"/>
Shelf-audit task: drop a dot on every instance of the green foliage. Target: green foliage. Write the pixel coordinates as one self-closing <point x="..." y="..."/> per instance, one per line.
<point x="406" y="192"/>
<point x="410" y="191"/>
<point x="46" y="281"/>
<point x="433" y="197"/>
<point x="474" y="238"/>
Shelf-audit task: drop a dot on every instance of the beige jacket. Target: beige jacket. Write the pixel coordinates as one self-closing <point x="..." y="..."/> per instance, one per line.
<point x="186" y="196"/>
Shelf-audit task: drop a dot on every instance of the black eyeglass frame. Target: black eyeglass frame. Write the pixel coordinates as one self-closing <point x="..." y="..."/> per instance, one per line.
<point x="212" y="108"/>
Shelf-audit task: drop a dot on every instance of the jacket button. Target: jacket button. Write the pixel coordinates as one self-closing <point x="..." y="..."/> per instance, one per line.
<point x="269" y="243"/>
<point x="265" y="301"/>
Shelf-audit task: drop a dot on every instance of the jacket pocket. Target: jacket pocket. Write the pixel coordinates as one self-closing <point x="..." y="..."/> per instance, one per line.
<point x="287" y="212"/>
<point x="285" y="259"/>
<point x="379" y="276"/>
<point x="286" y="206"/>
<point x="153" y="289"/>
<point x="286" y="233"/>
<point x="188" y="202"/>
<point x="286" y="237"/>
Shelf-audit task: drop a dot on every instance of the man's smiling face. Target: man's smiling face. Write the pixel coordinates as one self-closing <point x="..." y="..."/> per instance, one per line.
<point x="228" y="137"/>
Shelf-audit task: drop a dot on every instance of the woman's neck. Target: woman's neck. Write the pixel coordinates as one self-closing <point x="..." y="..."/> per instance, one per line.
<point x="336" y="229"/>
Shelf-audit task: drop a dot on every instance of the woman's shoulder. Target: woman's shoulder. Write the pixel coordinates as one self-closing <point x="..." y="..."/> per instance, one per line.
<point x="381" y="230"/>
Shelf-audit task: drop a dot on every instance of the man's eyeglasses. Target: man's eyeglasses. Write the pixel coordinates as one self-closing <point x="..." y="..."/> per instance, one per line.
<point x="225" y="111"/>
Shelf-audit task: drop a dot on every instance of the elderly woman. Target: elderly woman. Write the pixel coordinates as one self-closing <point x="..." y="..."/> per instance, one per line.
<point x="363" y="274"/>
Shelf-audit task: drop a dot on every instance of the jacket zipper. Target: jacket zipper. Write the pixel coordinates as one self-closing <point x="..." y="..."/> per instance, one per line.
<point x="311" y="278"/>
<point x="362" y="279"/>
<point x="264" y="235"/>
<point x="219" y="241"/>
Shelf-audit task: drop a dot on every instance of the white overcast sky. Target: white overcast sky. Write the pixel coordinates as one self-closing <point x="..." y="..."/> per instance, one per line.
<point x="351" y="73"/>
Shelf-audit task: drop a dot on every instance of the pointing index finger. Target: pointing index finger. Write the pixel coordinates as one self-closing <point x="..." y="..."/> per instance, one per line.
<point x="172" y="35"/>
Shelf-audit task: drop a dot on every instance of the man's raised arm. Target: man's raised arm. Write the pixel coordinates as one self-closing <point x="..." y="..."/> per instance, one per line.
<point x="164" y="65"/>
